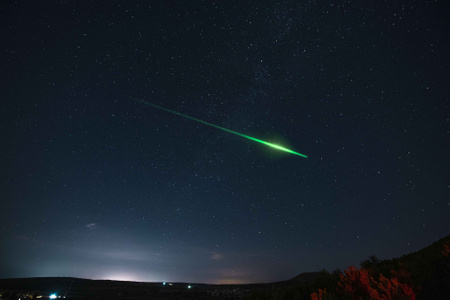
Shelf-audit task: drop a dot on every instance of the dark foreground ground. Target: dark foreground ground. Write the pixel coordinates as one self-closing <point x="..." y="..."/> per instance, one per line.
<point x="76" y="288"/>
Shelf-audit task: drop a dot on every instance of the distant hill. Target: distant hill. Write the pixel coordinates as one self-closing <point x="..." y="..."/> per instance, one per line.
<point x="305" y="278"/>
<point x="428" y="270"/>
<point x="74" y="288"/>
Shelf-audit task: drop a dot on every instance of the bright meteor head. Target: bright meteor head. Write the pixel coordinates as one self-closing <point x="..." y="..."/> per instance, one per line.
<point x="283" y="149"/>
<point x="275" y="146"/>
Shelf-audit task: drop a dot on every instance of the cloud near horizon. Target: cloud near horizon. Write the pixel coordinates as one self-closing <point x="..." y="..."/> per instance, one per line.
<point x="216" y="256"/>
<point x="91" y="226"/>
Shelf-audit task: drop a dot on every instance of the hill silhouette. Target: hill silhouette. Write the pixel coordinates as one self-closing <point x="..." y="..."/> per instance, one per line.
<point x="428" y="268"/>
<point x="427" y="271"/>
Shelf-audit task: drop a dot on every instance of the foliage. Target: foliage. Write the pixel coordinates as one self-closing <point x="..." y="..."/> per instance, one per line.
<point x="369" y="263"/>
<point x="320" y="295"/>
<point x="360" y="284"/>
<point x="446" y="250"/>
<point x="424" y="274"/>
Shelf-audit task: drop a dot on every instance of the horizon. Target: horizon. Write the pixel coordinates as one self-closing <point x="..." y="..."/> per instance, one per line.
<point x="220" y="283"/>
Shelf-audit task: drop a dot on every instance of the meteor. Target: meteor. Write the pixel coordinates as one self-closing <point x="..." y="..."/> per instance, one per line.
<point x="275" y="146"/>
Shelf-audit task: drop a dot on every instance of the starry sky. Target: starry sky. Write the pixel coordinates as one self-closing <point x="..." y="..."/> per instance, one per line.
<point x="97" y="185"/>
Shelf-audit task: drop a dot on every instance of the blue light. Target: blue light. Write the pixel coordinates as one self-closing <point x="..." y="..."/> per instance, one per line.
<point x="53" y="296"/>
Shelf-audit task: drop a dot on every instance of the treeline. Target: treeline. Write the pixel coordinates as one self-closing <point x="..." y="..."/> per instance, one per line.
<point x="424" y="274"/>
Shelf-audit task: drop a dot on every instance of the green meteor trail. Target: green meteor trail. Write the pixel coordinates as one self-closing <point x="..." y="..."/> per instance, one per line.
<point x="224" y="129"/>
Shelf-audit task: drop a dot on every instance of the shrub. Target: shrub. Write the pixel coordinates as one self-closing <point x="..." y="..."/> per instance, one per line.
<point x="358" y="284"/>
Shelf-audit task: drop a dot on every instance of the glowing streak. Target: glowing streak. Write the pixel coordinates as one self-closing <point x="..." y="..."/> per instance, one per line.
<point x="224" y="129"/>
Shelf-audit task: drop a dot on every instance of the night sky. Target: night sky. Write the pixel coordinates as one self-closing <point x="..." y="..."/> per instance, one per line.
<point x="97" y="185"/>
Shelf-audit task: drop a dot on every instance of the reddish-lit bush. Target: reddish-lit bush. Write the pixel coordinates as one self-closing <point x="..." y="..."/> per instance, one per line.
<point x="446" y="251"/>
<point x="358" y="284"/>
<point x="319" y="295"/>
<point x="393" y="289"/>
<point x="355" y="284"/>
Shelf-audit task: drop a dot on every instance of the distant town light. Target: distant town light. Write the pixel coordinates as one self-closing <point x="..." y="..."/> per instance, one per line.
<point x="53" y="296"/>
